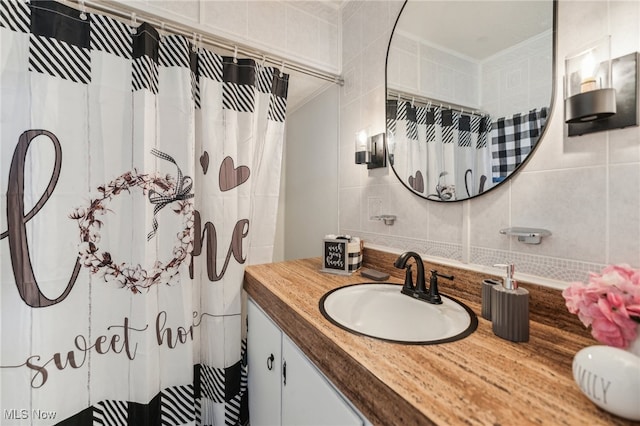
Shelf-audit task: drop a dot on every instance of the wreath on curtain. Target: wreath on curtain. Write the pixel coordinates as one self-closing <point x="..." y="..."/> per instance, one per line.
<point x="161" y="191"/>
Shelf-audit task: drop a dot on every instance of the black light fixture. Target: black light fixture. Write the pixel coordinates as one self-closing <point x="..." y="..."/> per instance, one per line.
<point x="589" y="94"/>
<point x="370" y="150"/>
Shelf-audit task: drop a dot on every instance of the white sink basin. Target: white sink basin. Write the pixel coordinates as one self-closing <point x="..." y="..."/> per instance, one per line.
<point x="381" y="311"/>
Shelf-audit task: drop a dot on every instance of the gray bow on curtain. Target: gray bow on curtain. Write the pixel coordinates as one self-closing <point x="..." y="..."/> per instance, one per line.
<point x="146" y="134"/>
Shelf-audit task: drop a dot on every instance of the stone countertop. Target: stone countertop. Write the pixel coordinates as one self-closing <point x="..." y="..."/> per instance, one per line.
<point x="481" y="379"/>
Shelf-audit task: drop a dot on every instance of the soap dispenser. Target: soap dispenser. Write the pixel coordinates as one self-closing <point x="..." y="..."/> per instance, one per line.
<point x="510" y="309"/>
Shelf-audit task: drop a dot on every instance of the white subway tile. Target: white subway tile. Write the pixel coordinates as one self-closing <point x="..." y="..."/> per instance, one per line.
<point x="302" y="33"/>
<point x="352" y="75"/>
<point x="324" y="10"/>
<point x="445" y="222"/>
<point x="580" y="23"/>
<point x="489" y="214"/>
<point x="375" y="18"/>
<point x="189" y="9"/>
<point x="349" y="206"/>
<point x="373" y="65"/>
<point x="550" y="200"/>
<point x="624" y="145"/>
<point x="625" y="30"/>
<point x="266" y="23"/>
<point x="624" y="209"/>
<point x="352" y="36"/>
<point x="327" y="51"/>
<point x="410" y="210"/>
<point x="229" y="16"/>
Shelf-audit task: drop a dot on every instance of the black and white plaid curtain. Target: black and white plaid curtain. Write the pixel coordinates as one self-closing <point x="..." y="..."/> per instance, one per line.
<point x="438" y="152"/>
<point x="512" y="140"/>
<point x="141" y="173"/>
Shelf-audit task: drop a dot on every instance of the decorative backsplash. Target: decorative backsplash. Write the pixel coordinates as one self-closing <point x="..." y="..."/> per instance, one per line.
<point x="549" y="268"/>
<point x="424" y="247"/>
<point x="553" y="268"/>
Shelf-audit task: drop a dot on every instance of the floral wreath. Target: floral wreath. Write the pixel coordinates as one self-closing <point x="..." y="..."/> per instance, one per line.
<point x="161" y="191"/>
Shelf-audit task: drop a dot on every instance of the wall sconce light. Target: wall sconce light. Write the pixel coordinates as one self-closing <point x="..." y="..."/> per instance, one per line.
<point x="363" y="148"/>
<point x="600" y="93"/>
<point x="370" y="150"/>
<point x="589" y="95"/>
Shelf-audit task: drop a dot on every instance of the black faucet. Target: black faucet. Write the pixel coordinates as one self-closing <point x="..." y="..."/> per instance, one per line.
<point x="401" y="263"/>
<point x="419" y="291"/>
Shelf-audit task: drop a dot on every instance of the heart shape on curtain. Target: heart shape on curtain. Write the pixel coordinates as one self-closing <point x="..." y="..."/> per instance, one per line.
<point x="417" y="182"/>
<point x="204" y="162"/>
<point x="231" y="176"/>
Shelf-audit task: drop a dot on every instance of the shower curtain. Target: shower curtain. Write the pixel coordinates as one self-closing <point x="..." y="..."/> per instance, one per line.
<point x="139" y="175"/>
<point x="513" y="138"/>
<point x="440" y="153"/>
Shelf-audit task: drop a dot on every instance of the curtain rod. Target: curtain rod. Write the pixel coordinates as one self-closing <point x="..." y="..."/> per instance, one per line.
<point x="127" y="12"/>
<point x="408" y="97"/>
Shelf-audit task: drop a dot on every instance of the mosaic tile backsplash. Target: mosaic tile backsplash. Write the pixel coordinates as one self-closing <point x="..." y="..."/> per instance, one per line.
<point x="550" y="268"/>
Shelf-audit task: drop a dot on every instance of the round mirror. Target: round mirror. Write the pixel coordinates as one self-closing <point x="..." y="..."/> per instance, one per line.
<point x="469" y="89"/>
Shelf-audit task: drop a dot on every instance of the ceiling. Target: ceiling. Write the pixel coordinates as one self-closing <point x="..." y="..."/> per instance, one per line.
<point x="303" y="88"/>
<point x="478" y="27"/>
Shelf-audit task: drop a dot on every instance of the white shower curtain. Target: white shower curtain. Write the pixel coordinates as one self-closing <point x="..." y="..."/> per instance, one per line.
<point x="139" y="175"/>
<point x="440" y="153"/>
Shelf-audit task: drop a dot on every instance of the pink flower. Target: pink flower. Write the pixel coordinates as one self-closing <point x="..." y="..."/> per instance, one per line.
<point x="609" y="303"/>
<point x="607" y="333"/>
<point x="634" y="310"/>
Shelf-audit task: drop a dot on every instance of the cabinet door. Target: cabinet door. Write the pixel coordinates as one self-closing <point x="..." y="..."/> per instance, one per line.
<point x="265" y="367"/>
<point x="307" y="396"/>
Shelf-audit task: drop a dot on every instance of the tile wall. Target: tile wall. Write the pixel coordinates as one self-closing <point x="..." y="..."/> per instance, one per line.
<point x="307" y="32"/>
<point x="304" y="31"/>
<point x="585" y="190"/>
<point x="419" y="68"/>
<point x="515" y="80"/>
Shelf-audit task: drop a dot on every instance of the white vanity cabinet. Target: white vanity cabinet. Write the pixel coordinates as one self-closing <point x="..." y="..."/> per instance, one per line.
<point x="285" y="388"/>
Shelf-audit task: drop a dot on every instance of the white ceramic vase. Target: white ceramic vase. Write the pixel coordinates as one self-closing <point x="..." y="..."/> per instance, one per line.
<point x="634" y="347"/>
<point x="610" y="378"/>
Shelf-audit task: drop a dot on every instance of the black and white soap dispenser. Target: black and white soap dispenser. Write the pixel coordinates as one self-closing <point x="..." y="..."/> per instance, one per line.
<point x="510" y="309"/>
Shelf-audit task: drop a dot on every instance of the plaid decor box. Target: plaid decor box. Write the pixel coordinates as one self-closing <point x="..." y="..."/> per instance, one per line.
<point x="355" y="254"/>
<point x="341" y="254"/>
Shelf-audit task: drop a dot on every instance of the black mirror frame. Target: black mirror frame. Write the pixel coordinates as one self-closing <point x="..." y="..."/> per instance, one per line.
<point x="544" y="130"/>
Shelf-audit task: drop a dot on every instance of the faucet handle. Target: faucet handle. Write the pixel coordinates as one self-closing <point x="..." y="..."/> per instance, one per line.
<point x="434" y="294"/>
<point x="435" y="273"/>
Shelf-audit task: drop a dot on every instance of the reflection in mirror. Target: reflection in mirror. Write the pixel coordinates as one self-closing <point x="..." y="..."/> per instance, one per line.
<point x="469" y="89"/>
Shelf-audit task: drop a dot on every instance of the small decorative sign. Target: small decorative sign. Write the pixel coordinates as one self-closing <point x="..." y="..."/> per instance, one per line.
<point x="335" y="255"/>
<point x="341" y="255"/>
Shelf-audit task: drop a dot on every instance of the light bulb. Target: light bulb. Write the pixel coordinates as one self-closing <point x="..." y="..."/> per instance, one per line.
<point x="588" y="73"/>
<point x="363" y="148"/>
<point x="361" y="140"/>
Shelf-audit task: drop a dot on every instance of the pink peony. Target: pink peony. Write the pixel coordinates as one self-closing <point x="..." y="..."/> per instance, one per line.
<point x="609" y="303"/>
